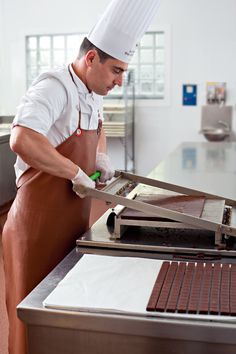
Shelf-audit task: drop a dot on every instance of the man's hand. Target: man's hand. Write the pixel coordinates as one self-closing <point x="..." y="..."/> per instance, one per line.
<point x="81" y="182"/>
<point x="104" y="166"/>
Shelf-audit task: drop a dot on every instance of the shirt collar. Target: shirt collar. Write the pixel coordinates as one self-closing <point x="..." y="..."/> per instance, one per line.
<point x="82" y="88"/>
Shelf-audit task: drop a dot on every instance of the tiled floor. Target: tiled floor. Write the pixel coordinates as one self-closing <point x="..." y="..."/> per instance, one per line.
<point x="3" y="314"/>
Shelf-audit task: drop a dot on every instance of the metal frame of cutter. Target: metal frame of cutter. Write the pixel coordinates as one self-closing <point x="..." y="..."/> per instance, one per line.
<point x="213" y="210"/>
<point x="111" y="192"/>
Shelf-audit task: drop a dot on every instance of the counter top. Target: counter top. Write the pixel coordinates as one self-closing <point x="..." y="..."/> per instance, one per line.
<point x="5" y="126"/>
<point x="62" y="331"/>
<point x="208" y="167"/>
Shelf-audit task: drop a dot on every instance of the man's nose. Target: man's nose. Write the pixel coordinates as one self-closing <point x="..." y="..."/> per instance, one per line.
<point x="119" y="80"/>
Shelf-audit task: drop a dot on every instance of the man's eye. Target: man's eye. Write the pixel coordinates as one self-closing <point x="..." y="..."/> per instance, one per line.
<point x="116" y="71"/>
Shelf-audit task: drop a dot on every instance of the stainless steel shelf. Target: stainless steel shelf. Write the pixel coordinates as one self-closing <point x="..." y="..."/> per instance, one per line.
<point x="119" y="121"/>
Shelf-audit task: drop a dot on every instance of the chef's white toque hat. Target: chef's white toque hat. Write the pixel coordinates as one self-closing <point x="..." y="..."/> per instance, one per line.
<point x="121" y="27"/>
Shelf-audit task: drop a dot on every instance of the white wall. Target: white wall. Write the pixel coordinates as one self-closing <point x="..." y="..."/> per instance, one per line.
<point x="203" y="48"/>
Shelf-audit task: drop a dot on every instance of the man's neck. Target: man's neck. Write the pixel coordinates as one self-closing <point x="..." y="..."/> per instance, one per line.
<point x="79" y="70"/>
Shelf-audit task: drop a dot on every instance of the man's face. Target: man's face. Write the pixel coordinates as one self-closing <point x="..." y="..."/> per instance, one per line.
<point x="103" y="77"/>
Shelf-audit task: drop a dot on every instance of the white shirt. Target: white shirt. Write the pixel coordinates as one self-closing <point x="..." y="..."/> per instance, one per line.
<point x="51" y="107"/>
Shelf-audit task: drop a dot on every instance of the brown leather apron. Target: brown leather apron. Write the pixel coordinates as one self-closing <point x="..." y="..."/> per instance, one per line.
<point x="43" y="224"/>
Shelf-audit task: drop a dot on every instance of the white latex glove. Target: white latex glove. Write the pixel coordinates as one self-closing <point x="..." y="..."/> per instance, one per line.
<point x="81" y="182"/>
<point x="104" y="166"/>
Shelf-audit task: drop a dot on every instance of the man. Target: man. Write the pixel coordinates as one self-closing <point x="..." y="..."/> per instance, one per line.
<point x="59" y="141"/>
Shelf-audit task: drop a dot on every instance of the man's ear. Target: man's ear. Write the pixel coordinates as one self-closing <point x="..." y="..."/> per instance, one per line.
<point x="90" y="56"/>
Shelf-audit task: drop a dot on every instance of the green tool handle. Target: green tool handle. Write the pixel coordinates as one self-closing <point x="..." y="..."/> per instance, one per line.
<point x="95" y="176"/>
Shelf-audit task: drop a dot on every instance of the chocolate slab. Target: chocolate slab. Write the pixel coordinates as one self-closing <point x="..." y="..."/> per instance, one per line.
<point x="184" y="204"/>
<point x="195" y="288"/>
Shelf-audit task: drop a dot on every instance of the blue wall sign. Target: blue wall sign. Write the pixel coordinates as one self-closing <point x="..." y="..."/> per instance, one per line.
<point x="189" y="95"/>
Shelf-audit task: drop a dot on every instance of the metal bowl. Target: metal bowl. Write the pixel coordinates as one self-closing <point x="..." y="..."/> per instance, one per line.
<point x="215" y="134"/>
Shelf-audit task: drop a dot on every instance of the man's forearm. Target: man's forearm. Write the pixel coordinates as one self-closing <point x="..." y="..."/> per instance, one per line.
<point x="37" y="152"/>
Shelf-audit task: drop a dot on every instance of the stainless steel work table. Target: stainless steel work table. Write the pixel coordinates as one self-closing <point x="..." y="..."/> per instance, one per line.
<point x="209" y="167"/>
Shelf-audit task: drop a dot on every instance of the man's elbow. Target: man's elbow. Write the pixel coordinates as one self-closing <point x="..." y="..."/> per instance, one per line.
<point x="16" y="141"/>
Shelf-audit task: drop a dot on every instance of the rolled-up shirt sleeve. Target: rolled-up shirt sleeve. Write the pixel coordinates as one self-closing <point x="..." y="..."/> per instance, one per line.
<point x="41" y="106"/>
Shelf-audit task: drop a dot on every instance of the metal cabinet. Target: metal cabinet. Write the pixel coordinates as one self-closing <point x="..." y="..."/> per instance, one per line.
<point x="7" y="160"/>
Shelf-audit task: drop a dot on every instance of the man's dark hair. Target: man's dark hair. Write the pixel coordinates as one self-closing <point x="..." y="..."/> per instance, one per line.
<point x="87" y="45"/>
